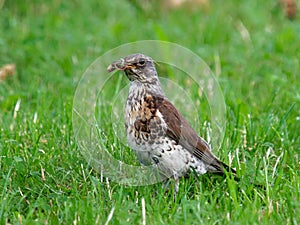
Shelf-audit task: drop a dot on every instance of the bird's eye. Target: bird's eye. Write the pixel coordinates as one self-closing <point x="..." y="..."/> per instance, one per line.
<point x="141" y="62"/>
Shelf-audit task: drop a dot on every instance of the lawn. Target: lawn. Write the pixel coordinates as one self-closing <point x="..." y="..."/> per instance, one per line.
<point x="254" y="52"/>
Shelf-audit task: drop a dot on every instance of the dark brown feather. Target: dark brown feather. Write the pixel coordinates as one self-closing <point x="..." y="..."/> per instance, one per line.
<point x="179" y="130"/>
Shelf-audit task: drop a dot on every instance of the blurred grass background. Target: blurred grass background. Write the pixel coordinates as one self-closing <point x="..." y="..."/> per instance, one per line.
<point x="254" y="50"/>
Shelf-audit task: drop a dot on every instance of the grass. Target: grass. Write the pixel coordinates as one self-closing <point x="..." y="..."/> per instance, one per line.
<point x="43" y="176"/>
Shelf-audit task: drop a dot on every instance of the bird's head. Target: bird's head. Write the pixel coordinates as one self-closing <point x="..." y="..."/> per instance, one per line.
<point x="137" y="67"/>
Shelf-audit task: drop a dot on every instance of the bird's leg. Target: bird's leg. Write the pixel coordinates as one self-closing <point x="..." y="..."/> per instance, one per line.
<point x="176" y="184"/>
<point x="176" y="188"/>
<point x="166" y="186"/>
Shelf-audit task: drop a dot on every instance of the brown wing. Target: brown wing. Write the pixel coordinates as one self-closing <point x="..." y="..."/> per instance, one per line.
<point x="180" y="131"/>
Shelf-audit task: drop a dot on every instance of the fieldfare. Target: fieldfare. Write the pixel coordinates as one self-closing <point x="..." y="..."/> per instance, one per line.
<point x="156" y="130"/>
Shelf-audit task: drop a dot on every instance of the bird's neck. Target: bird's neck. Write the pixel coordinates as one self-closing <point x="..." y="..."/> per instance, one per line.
<point x="138" y="88"/>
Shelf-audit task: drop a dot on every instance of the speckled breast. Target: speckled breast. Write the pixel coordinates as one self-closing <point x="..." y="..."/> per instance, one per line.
<point x="144" y="124"/>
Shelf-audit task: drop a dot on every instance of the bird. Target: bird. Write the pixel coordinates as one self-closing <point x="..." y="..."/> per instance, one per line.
<point x="156" y="131"/>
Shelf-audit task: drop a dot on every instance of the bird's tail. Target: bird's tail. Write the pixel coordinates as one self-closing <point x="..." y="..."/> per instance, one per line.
<point x="223" y="169"/>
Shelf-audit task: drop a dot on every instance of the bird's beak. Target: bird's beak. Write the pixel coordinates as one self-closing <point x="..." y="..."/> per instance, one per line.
<point x="119" y="65"/>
